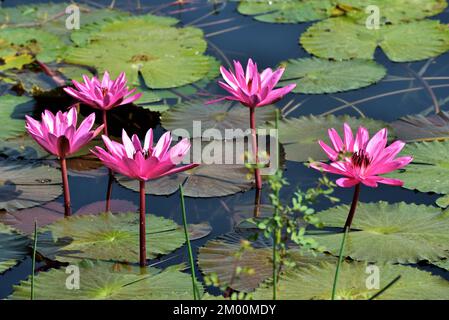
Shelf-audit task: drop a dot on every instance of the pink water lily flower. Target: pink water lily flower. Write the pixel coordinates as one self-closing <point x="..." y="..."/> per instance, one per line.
<point x="103" y="95"/>
<point x="361" y="160"/>
<point x="58" y="134"/>
<point x="253" y="89"/>
<point x="144" y="162"/>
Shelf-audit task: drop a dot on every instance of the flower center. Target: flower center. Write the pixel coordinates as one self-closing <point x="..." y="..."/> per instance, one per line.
<point x="104" y="91"/>
<point x="360" y="159"/>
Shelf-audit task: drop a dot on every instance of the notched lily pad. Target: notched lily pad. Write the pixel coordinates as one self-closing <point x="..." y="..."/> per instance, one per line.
<point x="430" y="160"/>
<point x="225" y="117"/>
<point x="13" y="247"/>
<point x="382" y="232"/>
<point x="342" y="39"/>
<point x="224" y="255"/>
<point x="108" y="237"/>
<point x="122" y="45"/>
<point x="315" y="76"/>
<point x="22" y="184"/>
<point x="421" y="128"/>
<point x="315" y="283"/>
<point x="108" y="281"/>
<point x="12" y="115"/>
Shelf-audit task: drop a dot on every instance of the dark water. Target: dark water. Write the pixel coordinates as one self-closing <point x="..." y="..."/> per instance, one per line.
<point x="268" y="44"/>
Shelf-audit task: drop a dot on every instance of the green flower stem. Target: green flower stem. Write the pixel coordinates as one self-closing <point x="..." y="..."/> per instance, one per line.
<point x="276" y="231"/>
<point x="143" y="243"/>
<point x="33" y="261"/>
<point x="355" y="200"/>
<point x="196" y="294"/>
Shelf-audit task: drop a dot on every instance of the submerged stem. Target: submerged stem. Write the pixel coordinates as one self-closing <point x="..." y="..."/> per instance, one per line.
<point x="109" y="191"/>
<point x="355" y="200"/>
<point x="65" y="186"/>
<point x="33" y="261"/>
<point x="252" y="121"/>
<point x="196" y="294"/>
<point x="143" y="248"/>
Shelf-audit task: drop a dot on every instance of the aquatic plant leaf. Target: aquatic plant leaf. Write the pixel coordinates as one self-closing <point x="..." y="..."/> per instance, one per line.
<point x="123" y="45"/>
<point x="109" y="281"/>
<point x="315" y="283"/>
<point x="43" y="45"/>
<point x="342" y="39"/>
<point x="221" y="116"/>
<point x="12" y="115"/>
<point x="224" y="255"/>
<point x="15" y="61"/>
<point x="13" y="247"/>
<point x="429" y="170"/>
<point x="294" y="11"/>
<point x="24" y="184"/>
<point x="313" y="75"/>
<point x="443" y="201"/>
<point x="199" y="230"/>
<point x="286" y="11"/>
<point x="204" y="181"/>
<point x="419" y="127"/>
<point x="382" y="232"/>
<point x="299" y="136"/>
<point x="444" y="264"/>
<point x="108" y="237"/>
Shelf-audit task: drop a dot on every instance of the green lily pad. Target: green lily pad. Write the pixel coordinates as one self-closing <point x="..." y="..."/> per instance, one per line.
<point x="314" y="76"/>
<point x="221" y="116"/>
<point x="420" y="128"/>
<point x="316" y="283"/>
<point x="443" y="201"/>
<point x="46" y="47"/>
<point x="12" y="114"/>
<point x="15" y="61"/>
<point x="299" y="136"/>
<point x="294" y="11"/>
<point x="24" y="184"/>
<point x="382" y="232"/>
<point x="204" y="181"/>
<point x="109" y="281"/>
<point x="122" y="45"/>
<point x="342" y="39"/>
<point x="430" y="160"/>
<point x="223" y="255"/>
<point x="108" y="237"/>
<point x="444" y="264"/>
<point x="13" y="247"/>
<point x="32" y="82"/>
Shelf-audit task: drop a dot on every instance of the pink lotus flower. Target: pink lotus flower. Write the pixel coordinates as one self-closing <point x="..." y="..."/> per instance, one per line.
<point x="103" y="95"/>
<point x="144" y="162"/>
<point x="58" y="134"/>
<point x="253" y="89"/>
<point x="361" y="160"/>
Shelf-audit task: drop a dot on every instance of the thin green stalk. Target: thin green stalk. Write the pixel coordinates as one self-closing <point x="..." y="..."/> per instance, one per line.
<point x="196" y="294"/>
<point x="276" y="232"/>
<point x="340" y="260"/>
<point x="385" y="288"/>
<point x="33" y="262"/>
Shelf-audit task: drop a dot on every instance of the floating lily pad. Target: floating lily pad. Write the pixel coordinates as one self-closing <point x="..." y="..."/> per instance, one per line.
<point x="444" y="264"/>
<point x="223" y="255"/>
<point x="14" y="61"/>
<point x="199" y="230"/>
<point x="109" y="281"/>
<point x="46" y="47"/>
<point x="108" y="237"/>
<point x="443" y="201"/>
<point x="221" y="116"/>
<point x="294" y="11"/>
<point x="420" y="128"/>
<point x="316" y="283"/>
<point x="204" y="181"/>
<point x="299" y="136"/>
<point x="12" y="114"/>
<point x="13" y="247"/>
<point x="24" y="185"/>
<point x="313" y="75"/>
<point x="382" y="232"/>
<point x="342" y="39"/>
<point x="123" y="45"/>
<point x="429" y="171"/>
<point x="32" y="82"/>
